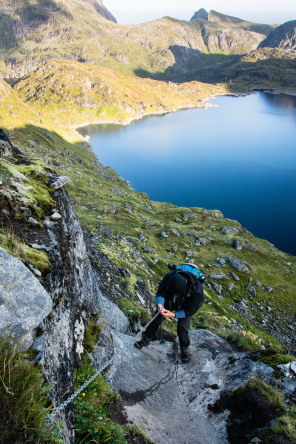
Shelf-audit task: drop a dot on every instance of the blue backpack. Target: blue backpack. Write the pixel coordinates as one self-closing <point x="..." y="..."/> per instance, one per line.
<point x="191" y="268"/>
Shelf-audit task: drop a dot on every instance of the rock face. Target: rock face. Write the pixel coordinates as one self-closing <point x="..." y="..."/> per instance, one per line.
<point x="73" y="288"/>
<point x="155" y="389"/>
<point x="102" y="10"/>
<point x="283" y="37"/>
<point x="24" y="303"/>
<point x="200" y="14"/>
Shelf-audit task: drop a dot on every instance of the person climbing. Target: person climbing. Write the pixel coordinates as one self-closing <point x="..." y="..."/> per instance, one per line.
<point x="179" y="295"/>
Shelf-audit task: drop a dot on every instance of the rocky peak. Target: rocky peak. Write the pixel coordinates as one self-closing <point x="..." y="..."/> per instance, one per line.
<point x="200" y="14"/>
<point x="102" y="10"/>
<point x="283" y="37"/>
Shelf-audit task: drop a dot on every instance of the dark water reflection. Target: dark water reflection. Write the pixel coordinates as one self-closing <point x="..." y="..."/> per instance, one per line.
<point x="239" y="157"/>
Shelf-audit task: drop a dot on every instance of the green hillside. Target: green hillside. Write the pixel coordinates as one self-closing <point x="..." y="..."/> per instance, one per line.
<point x="127" y="226"/>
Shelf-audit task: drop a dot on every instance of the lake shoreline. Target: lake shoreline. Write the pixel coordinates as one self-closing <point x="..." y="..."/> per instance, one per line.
<point x="234" y="163"/>
<point x="204" y="104"/>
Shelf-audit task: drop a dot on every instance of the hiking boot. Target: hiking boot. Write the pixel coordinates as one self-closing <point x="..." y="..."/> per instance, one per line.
<point x="142" y="343"/>
<point x="184" y="356"/>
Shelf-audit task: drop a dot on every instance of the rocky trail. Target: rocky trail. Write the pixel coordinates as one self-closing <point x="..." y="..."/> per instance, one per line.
<point x="171" y="400"/>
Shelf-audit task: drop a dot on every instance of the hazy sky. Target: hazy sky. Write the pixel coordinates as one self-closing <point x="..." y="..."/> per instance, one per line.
<point x="264" y="11"/>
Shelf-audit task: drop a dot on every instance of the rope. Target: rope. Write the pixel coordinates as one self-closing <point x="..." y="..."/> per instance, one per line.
<point x="58" y="409"/>
<point x="144" y="328"/>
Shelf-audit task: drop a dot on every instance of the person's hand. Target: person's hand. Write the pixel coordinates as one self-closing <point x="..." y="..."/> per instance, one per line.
<point x="167" y="314"/>
<point x="160" y="307"/>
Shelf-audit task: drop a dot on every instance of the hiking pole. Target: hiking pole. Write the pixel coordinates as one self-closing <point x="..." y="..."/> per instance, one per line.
<point x="144" y="328"/>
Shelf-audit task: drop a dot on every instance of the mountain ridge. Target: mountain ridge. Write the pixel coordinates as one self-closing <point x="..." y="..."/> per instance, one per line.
<point x="75" y="30"/>
<point x="283" y="37"/>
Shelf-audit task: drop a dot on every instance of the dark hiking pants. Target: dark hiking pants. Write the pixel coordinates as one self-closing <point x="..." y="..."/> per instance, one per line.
<point x="182" y="330"/>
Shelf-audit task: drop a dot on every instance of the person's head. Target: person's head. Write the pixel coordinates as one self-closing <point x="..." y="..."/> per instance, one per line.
<point x="176" y="284"/>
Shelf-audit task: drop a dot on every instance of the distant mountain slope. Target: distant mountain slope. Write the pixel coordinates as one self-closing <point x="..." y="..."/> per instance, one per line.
<point x="76" y="93"/>
<point x="232" y="22"/>
<point x="200" y="14"/>
<point x="283" y="37"/>
<point x="33" y="32"/>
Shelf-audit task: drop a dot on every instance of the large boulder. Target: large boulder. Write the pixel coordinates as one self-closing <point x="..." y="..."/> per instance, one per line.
<point x="24" y="303"/>
<point x="238" y="264"/>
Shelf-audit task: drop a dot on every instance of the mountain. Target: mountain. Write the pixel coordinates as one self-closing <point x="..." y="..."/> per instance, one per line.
<point x="167" y="49"/>
<point x="283" y="37"/>
<point x="200" y="14"/>
<point x="92" y="93"/>
<point x="98" y="274"/>
<point x="81" y="252"/>
<point x="228" y="21"/>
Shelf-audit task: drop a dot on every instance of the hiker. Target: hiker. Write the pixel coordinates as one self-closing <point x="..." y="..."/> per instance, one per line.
<point x="179" y="295"/>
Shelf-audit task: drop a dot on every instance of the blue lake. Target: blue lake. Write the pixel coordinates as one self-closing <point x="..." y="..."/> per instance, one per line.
<point x="238" y="156"/>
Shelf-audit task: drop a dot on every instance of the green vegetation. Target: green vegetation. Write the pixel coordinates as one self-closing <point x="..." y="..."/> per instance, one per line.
<point x="24" y="403"/>
<point x="17" y="248"/>
<point x="92" y="332"/>
<point x="93" y="409"/>
<point x="285" y="424"/>
<point x="134" y="311"/>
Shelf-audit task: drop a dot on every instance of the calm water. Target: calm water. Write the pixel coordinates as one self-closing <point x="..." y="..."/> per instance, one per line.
<point x="238" y="157"/>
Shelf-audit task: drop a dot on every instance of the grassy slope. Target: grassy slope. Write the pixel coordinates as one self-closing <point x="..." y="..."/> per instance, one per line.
<point x="96" y="191"/>
<point x="74" y="93"/>
<point x="234" y="22"/>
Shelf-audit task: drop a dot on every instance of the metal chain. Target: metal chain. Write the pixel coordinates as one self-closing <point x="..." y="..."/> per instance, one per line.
<point x="64" y="404"/>
<point x="71" y="398"/>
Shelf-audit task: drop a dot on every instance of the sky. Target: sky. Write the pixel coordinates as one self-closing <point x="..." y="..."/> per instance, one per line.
<point x="260" y="11"/>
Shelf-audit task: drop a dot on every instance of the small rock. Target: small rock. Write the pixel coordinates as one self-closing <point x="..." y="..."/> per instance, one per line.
<point x="163" y="234"/>
<point x="57" y="182"/>
<point x="204" y="240"/>
<point x="39" y="247"/>
<point x="251" y="290"/>
<point x="267" y="288"/>
<point x="238" y="245"/>
<point x="234" y="276"/>
<point x="56" y="216"/>
<point x="175" y="232"/>
<point x="187" y="216"/>
<point x="178" y="220"/>
<point x="221" y="261"/>
<point x="229" y="230"/>
<point x="216" y="287"/>
<point x="48" y="223"/>
<point x="218" y="276"/>
<point x="33" y="221"/>
<point x="230" y="287"/>
<point x="258" y="283"/>
<point x="293" y="367"/>
<point x="142" y="237"/>
<point x="148" y="249"/>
